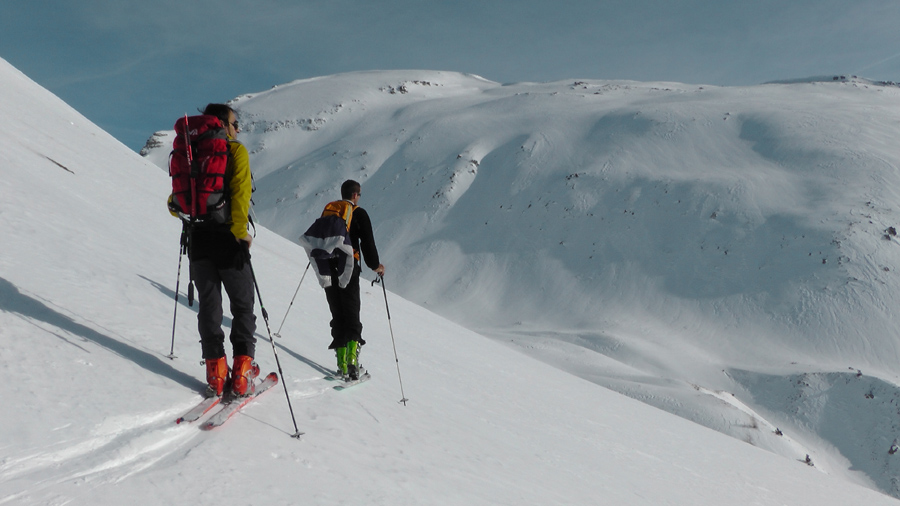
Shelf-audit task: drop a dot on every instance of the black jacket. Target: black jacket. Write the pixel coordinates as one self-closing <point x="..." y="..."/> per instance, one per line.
<point x="362" y="237"/>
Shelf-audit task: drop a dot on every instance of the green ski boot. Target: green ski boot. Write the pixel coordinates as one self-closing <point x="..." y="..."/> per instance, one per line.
<point x="341" y="354"/>
<point x="353" y="360"/>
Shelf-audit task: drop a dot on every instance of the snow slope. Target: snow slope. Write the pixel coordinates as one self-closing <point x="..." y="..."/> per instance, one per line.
<point x="87" y="280"/>
<point x="661" y="239"/>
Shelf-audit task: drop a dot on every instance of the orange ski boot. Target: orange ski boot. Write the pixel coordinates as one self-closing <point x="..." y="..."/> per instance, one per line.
<point x="216" y="375"/>
<point x="242" y="374"/>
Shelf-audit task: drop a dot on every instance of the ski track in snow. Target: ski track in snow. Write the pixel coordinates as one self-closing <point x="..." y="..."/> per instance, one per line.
<point x="119" y="448"/>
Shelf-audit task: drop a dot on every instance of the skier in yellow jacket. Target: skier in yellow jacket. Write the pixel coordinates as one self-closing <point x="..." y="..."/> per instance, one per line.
<point x="219" y="256"/>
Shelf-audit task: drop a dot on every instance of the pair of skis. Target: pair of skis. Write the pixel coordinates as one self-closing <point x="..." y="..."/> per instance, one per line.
<point x="345" y="382"/>
<point x="234" y="405"/>
<point x="229" y="408"/>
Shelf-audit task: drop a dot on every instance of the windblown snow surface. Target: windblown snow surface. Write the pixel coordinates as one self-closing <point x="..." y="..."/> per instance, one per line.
<point x="725" y="254"/>
<point x="723" y="257"/>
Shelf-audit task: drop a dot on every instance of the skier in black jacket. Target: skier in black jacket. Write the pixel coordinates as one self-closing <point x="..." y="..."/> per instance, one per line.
<point x="344" y="303"/>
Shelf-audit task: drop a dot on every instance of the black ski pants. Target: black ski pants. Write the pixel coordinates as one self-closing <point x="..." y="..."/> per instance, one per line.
<point x="344" y="304"/>
<point x="238" y="283"/>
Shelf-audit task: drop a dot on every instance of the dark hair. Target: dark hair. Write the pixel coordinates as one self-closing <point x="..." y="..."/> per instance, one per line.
<point x="220" y="111"/>
<point x="349" y="188"/>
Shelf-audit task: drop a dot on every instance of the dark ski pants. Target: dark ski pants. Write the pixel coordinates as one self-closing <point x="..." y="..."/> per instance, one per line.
<point x="238" y="284"/>
<point x="344" y="304"/>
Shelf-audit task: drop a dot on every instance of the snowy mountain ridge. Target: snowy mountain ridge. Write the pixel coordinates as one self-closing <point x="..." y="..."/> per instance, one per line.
<point x="86" y="290"/>
<point x="646" y="236"/>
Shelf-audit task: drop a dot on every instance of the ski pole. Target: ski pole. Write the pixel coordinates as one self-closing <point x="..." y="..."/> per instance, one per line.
<point x="278" y="334"/>
<point x="380" y="279"/>
<point x="181" y="251"/>
<point x="265" y="314"/>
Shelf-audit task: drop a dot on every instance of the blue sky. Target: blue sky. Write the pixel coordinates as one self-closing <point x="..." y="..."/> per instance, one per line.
<point x="134" y="67"/>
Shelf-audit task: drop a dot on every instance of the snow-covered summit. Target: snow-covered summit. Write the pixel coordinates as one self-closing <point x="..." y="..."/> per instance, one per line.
<point x="661" y="239"/>
<point x="87" y="280"/>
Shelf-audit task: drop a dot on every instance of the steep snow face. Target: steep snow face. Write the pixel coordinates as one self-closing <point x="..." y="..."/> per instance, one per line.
<point x="637" y="234"/>
<point x="87" y="279"/>
<point x="650" y="237"/>
<point x="758" y="211"/>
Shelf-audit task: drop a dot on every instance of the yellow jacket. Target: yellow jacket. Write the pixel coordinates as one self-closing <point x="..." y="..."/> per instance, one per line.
<point x="241" y="185"/>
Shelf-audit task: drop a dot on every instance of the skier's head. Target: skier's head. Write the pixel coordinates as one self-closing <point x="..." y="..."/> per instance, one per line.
<point x="218" y="110"/>
<point x="350" y="189"/>
<point x="225" y="114"/>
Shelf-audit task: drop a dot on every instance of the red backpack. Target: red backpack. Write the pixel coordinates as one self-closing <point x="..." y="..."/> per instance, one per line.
<point x="197" y="166"/>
